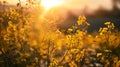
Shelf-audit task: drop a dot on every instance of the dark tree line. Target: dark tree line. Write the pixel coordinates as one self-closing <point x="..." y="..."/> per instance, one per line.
<point x="115" y="4"/>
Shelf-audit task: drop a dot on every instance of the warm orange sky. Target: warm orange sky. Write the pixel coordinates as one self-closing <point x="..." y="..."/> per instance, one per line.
<point x="76" y="4"/>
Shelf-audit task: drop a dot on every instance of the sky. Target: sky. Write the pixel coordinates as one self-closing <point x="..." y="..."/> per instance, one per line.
<point x="91" y="3"/>
<point x="78" y="4"/>
<point x="75" y="6"/>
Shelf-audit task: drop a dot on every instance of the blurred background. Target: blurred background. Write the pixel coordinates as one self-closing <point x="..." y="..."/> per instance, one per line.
<point x="96" y="11"/>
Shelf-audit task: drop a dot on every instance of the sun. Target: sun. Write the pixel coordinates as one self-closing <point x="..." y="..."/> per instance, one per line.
<point x="47" y="4"/>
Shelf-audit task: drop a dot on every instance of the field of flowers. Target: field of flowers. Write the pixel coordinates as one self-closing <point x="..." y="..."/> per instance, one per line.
<point x="27" y="41"/>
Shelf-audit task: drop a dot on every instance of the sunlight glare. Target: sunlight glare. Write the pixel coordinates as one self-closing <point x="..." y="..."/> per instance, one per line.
<point x="50" y="3"/>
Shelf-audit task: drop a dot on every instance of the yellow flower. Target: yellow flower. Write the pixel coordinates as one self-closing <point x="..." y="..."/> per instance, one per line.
<point x="34" y="43"/>
<point x="112" y="26"/>
<point x="27" y="54"/>
<point x="78" y="56"/>
<point x="100" y="29"/>
<point x="74" y="50"/>
<point x="36" y="59"/>
<point x="107" y="23"/>
<point x="99" y="54"/>
<point x="81" y="20"/>
<point x="44" y="56"/>
<point x="72" y="64"/>
<point x="10" y="23"/>
<point x="70" y="30"/>
<point x="107" y="50"/>
<point x="68" y="58"/>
